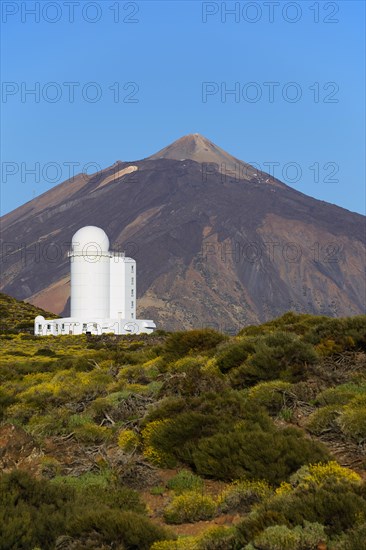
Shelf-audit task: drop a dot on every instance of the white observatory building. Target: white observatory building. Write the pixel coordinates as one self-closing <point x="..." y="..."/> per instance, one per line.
<point x="103" y="291"/>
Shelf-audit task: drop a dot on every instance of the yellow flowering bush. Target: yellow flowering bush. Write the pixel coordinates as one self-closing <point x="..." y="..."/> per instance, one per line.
<point x="128" y="440"/>
<point x="328" y="347"/>
<point x="185" y="363"/>
<point x="284" y="488"/>
<point x="322" y="472"/>
<point x="184" y="543"/>
<point x="153" y="366"/>
<point x="137" y="388"/>
<point x="157" y="457"/>
<point x="34" y="379"/>
<point x="214" y="538"/>
<point x="62" y="386"/>
<point x="190" y="506"/>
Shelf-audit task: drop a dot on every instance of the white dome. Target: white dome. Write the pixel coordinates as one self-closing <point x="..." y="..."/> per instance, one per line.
<point x="90" y="240"/>
<point x="39" y="319"/>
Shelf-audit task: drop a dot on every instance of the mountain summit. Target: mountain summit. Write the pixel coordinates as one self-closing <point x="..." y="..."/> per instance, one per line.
<point x="216" y="241"/>
<point x="194" y="147"/>
<point x="200" y="149"/>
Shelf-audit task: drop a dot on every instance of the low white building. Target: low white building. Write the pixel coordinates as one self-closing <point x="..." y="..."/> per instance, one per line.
<point x="103" y="291"/>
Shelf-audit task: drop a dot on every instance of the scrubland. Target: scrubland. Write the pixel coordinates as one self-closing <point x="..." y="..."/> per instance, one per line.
<point x="187" y="440"/>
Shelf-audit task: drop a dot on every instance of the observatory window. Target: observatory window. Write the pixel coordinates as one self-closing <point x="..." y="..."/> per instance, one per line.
<point x="131" y="268"/>
<point x="84" y="326"/>
<point x="56" y="326"/>
<point x="132" y="280"/>
<point x="132" y="303"/>
<point x="131" y="291"/>
<point x="63" y="326"/>
<point x="39" y="327"/>
<point x="131" y="315"/>
<point x="48" y="327"/>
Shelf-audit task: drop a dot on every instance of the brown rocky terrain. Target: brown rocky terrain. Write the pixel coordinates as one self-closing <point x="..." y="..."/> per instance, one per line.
<point x="216" y="241"/>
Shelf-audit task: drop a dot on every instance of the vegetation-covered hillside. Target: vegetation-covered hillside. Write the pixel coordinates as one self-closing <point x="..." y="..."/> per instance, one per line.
<point x="187" y="440"/>
<point x="17" y="316"/>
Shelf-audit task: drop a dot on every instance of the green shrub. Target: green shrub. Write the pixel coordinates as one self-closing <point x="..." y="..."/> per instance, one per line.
<point x="346" y="334"/>
<point x="300" y="324"/>
<point x="115" y="496"/>
<point x="48" y="424"/>
<point x="185" y="481"/>
<point x="32" y="512"/>
<point x="6" y="399"/>
<point x="233" y="354"/>
<point x="183" y="543"/>
<point x="132" y="530"/>
<point x="340" y="395"/>
<point x="217" y="538"/>
<point x="337" y="506"/>
<point x="311" y="534"/>
<point x="328" y="498"/>
<point x="278" y="537"/>
<point x="227" y="437"/>
<point x="87" y="482"/>
<point x="179" y="344"/>
<point x="86" y="431"/>
<point x="166" y="408"/>
<point x="192" y="378"/>
<point x="184" y="364"/>
<point x="184" y="422"/>
<point x="256" y="454"/>
<point x="167" y="440"/>
<point x="271" y="395"/>
<point x="190" y="506"/>
<point x="91" y="433"/>
<point x="134" y="374"/>
<point x="45" y="352"/>
<point x="324" y="419"/>
<point x="240" y="496"/>
<point x="226" y="408"/>
<point x="353" y="419"/>
<point x="353" y="540"/>
<point x="254" y="523"/>
<point x="282" y="355"/>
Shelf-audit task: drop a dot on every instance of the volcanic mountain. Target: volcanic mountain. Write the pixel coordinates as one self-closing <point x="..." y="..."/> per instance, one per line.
<point x="217" y="242"/>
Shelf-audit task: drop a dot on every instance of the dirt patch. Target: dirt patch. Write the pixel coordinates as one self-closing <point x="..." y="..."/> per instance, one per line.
<point x="156" y="503"/>
<point x="19" y="450"/>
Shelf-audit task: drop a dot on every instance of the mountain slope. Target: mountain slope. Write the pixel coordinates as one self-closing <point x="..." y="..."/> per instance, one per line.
<point x="17" y="316"/>
<point x="212" y="247"/>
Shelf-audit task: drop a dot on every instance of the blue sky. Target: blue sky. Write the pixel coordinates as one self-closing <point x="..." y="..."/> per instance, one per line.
<point x="145" y="73"/>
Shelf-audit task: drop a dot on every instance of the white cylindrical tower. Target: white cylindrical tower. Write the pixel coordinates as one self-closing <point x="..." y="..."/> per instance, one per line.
<point x="90" y="271"/>
<point x="123" y="287"/>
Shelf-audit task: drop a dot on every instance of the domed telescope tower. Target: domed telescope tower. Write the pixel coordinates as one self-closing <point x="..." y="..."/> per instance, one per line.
<point x="103" y="291"/>
<point x="90" y="273"/>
